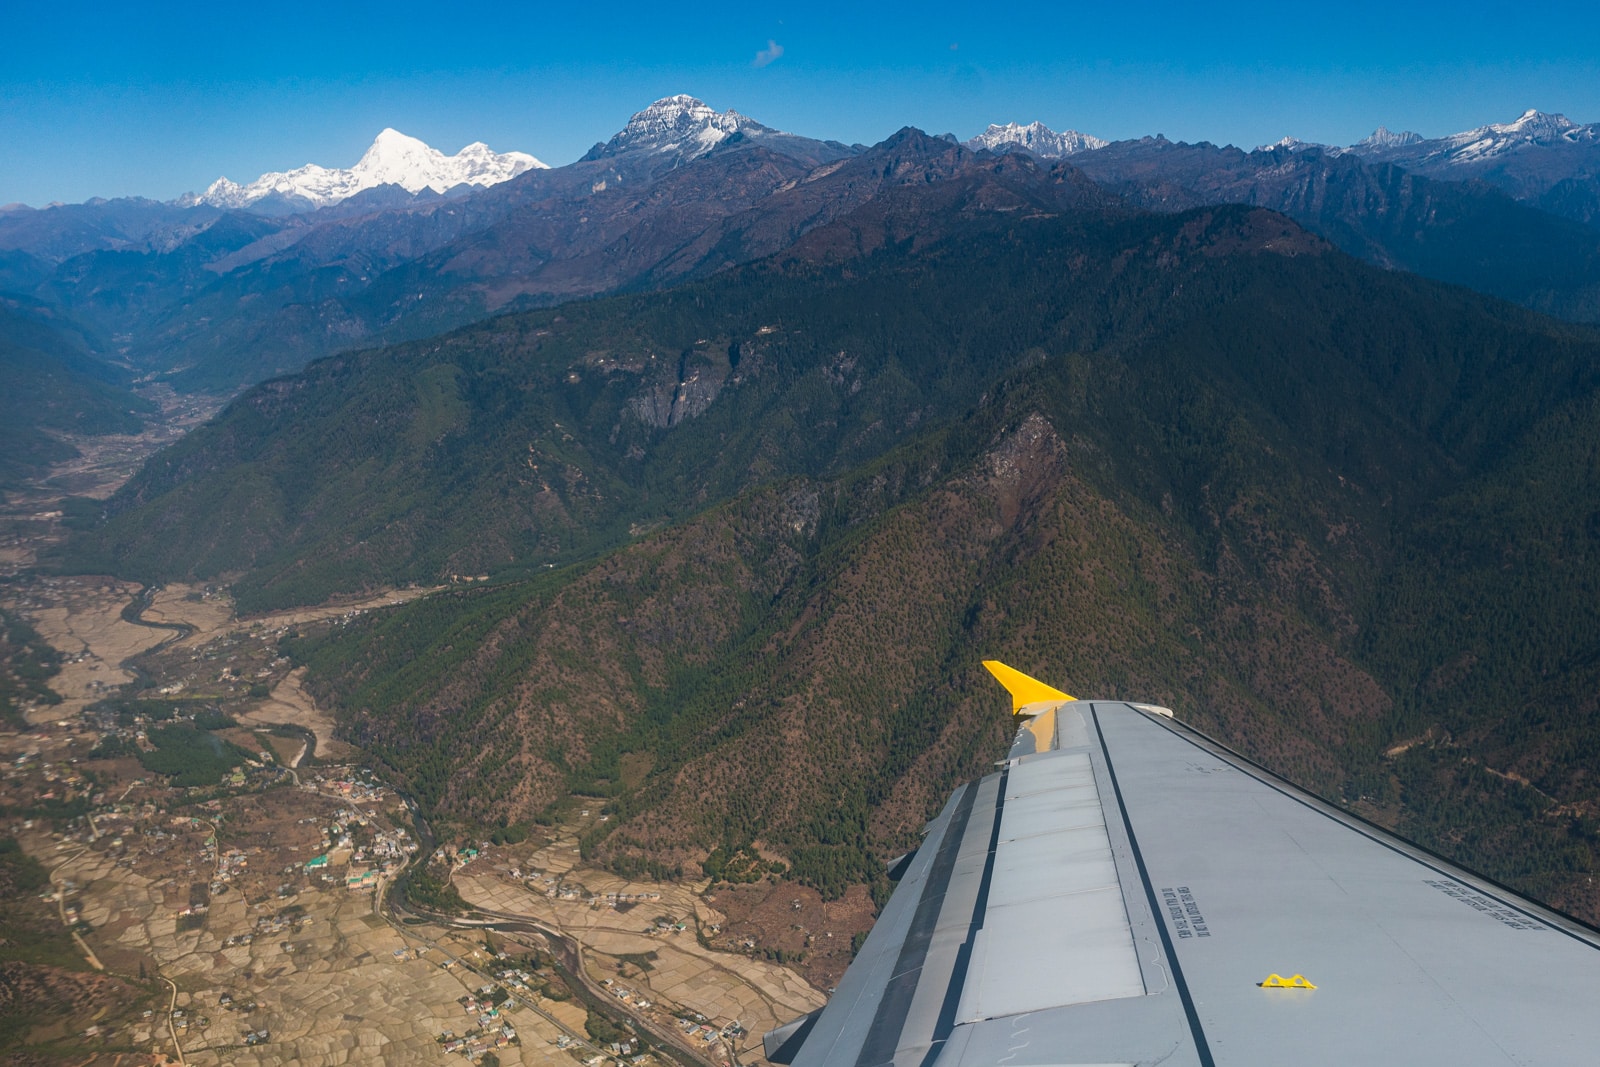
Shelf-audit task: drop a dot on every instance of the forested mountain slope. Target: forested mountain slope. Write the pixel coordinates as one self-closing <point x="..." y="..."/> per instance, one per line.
<point x="541" y="437"/>
<point x="796" y="667"/>
<point x="55" y="384"/>
<point x="1202" y="459"/>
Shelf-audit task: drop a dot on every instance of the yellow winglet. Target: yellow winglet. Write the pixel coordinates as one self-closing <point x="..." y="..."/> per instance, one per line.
<point x="1024" y="690"/>
<point x="1278" y="981"/>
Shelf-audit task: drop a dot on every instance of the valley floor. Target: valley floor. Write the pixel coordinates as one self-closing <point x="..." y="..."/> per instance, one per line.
<point x="647" y="944"/>
<point x="252" y="912"/>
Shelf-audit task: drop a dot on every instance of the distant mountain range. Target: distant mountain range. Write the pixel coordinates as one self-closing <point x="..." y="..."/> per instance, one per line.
<point x="1532" y="130"/>
<point x="1547" y="161"/>
<point x="247" y="281"/>
<point x="1527" y="156"/>
<point x="1530" y="133"/>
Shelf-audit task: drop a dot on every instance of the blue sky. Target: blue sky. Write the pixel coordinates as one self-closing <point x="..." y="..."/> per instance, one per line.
<point x="154" y="100"/>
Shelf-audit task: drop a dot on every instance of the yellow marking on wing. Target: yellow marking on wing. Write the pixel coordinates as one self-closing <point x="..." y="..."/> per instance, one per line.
<point x="1278" y="981"/>
<point x="1043" y="729"/>
<point x="1024" y="690"/>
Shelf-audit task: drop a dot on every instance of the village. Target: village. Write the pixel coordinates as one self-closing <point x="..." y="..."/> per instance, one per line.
<point x="210" y="843"/>
<point x="258" y="907"/>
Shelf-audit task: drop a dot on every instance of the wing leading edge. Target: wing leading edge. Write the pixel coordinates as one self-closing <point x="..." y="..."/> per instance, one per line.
<point x="1123" y="889"/>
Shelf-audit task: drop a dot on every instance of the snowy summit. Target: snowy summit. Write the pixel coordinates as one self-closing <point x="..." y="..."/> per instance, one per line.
<point x="1531" y="132"/>
<point x="680" y="125"/>
<point x="1532" y="127"/>
<point x="1036" y="138"/>
<point x="1293" y="144"/>
<point x="1383" y="137"/>
<point x="393" y="159"/>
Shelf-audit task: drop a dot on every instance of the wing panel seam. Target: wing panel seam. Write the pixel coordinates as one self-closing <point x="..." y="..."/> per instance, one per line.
<point x="946" y="1023"/>
<point x="883" y="1036"/>
<point x="1202" y="1048"/>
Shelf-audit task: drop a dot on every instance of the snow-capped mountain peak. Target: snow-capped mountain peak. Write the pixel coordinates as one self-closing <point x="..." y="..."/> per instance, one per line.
<point x="681" y="125"/>
<point x="1383" y="137"/>
<point x="1293" y="144"/>
<point x="1535" y="123"/>
<point x="393" y="159"/>
<point x="1036" y="138"/>
<point x="1531" y="127"/>
<point x="1531" y="131"/>
<point x="396" y="157"/>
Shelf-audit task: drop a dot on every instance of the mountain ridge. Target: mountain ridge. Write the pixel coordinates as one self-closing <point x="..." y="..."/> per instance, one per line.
<point x="1545" y="160"/>
<point x="1036" y="138"/>
<point x="392" y="159"/>
<point x="213" y="299"/>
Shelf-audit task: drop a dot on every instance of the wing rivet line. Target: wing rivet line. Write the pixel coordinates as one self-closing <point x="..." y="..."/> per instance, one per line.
<point x="1278" y="981"/>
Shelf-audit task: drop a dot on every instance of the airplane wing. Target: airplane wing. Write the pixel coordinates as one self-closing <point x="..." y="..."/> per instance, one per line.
<point x="1126" y="891"/>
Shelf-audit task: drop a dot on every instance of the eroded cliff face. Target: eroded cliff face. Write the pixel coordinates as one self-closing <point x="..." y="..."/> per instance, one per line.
<point x="686" y="387"/>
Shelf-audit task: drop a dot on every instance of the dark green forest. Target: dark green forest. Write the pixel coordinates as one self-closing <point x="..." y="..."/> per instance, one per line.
<point x="189" y="755"/>
<point x="27" y="664"/>
<point x="55" y="384"/>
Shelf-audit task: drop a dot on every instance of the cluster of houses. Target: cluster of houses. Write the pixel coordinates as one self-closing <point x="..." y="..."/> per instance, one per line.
<point x="182" y="1020"/>
<point x="61" y="782"/>
<point x="103" y="823"/>
<point x="459" y="858"/>
<point x="362" y="792"/>
<point x="559" y="890"/>
<point x="368" y="862"/>
<point x="478" y="1042"/>
<point x="485" y="1005"/>
<point x="232" y="864"/>
<point x="389" y="846"/>
<point x="359" y="880"/>
<point x="227" y="1003"/>
<point x="628" y="1047"/>
<point x="288" y="919"/>
<point x="519" y="979"/>
<point x="613" y="899"/>
<point x="698" y="1027"/>
<point x="556" y="888"/>
<point x="624" y="994"/>
<point x="492" y="1031"/>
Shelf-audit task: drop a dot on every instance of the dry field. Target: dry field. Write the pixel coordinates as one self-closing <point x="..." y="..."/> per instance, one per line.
<point x="211" y="617"/>
<point x="330" y="980"/>
<point x="81" y="617"/>
<point x="618" y="923"/>
<point x="291" y="704"/>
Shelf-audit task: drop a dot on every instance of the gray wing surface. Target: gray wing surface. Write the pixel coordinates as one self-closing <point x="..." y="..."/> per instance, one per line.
<point x="1119" y="891"/>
